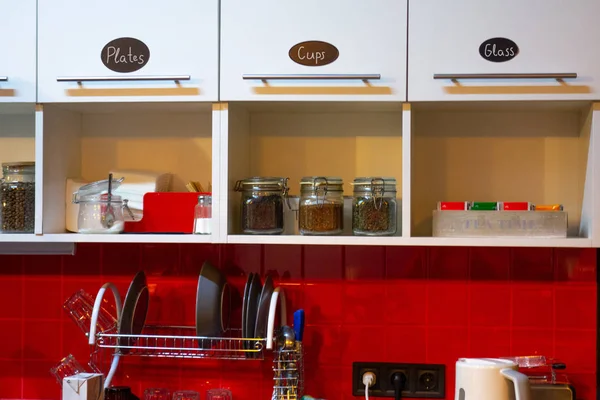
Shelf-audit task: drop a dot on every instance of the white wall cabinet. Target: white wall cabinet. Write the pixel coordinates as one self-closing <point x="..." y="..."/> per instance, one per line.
<point x="217" y="91"/>
<point x="549" y="37"/>
<point x="268" y="50"/>
<point x="179" y="62"/>
<point x="17" y="51"/>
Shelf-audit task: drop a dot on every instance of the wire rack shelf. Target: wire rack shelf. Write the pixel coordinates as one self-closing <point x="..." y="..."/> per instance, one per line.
<point x="181" y="342"/>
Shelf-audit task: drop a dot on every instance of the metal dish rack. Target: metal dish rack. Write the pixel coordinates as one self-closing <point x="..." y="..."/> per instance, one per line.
<point x="181" y="342"/>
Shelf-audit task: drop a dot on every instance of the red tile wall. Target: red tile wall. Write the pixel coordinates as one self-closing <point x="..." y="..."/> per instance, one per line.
<point x="400" y="304"/>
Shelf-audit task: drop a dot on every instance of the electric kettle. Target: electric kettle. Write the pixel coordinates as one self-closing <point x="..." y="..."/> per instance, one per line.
<point x="490" y="379"/>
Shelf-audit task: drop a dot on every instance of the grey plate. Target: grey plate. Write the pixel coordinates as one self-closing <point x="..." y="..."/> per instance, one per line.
<point x="252" y="310"/>
<point x="262" y="317"/>
<point x="135" y="310"/>
<point x="245" y="304"/>
<point x="212" y="302"/>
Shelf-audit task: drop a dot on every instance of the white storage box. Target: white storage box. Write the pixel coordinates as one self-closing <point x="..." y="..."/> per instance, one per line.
<point x="83" y="386"/>
<point x="542" y="224"/>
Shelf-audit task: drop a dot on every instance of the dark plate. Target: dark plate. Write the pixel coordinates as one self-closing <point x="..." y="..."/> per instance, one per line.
<point x="245" y="305"/>
<point x="262" y="317"/>
<point x="252" y="310"/>
<point x="135" y="310"/>
<point x="212" y="302"/>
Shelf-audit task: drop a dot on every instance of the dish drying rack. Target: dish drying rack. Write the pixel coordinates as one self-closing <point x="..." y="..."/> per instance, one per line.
<point x="181" y="342"/>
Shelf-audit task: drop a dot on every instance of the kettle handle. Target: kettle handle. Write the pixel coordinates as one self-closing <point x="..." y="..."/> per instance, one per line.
<point x="521" y="382"/>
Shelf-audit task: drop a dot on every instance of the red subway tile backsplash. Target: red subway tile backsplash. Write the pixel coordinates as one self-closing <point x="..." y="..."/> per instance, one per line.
<point x="449" y="263"/>
<point x="489" y="305"/>
<point x="364" y="262"/>
<point x="394" y="304"/>
<point x="489" y="264"/>
<point x="406" y="262"/>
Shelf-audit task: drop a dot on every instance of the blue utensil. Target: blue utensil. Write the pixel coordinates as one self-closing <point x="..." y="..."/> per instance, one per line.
<point x="299" y="324"/>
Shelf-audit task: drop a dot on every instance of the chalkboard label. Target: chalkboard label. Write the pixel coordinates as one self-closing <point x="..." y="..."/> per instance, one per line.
<point x="498" y="49"/>
<point x="314" y="53"/>
<point x="125" y="55"/>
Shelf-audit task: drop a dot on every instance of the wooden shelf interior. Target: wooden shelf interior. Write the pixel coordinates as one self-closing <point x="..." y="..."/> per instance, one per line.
<point x="509" y="153"/>
<point x="88" y="142"/>
<point x="296" y="140"/>
<point x="17" y="137"/>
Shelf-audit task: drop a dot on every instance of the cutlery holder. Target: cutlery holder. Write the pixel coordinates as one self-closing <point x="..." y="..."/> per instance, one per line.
<point x="288" y="373"/>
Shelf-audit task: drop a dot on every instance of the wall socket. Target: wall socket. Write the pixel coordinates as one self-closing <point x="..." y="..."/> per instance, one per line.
<point x="426" y="381"/>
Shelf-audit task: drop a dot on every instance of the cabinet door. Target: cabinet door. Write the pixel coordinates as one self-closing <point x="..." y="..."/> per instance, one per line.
<point x="313" y="50"/>
<point x="134" y="50"/>
<point x="17" y="51"/>
<point x="503" y="50"/>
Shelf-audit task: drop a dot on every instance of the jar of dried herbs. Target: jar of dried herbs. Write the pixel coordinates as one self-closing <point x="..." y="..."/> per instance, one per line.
<point x="374" y="206"/>
<point x="321" y="206"/>
<point x="262" y="204"/>
<point x="17" y="197"/>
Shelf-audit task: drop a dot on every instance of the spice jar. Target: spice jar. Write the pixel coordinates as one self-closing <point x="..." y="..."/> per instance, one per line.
<point x="374" y="206"/>
<point x="321" y="206"/>
<point x="262" y="204"/>
<point x="17" y="197"/>
<point x="203" y="215"/>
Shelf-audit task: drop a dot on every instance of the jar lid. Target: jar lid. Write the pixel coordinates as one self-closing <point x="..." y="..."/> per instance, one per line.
<point x="262" y="182"/>
<point x="98" y="187"/>
<point x="91" y="191"/>
<point x="18" y="167"/>
<point x="18" y="164"/>
<point x="327" y="182"/>
<point x="99" y="198"/>
<point x="374" y="183"/>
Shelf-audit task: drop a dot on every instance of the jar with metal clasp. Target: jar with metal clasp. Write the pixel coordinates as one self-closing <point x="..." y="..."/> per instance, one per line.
<point x="321" y="205"/>
<point x="99" y="211"/>
<point x="262" y="204"/>
<point x="17" y="197"/>
<point x="374" y="206"/>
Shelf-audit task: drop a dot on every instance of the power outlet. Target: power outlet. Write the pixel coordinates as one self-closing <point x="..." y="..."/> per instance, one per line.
<point x="419" y="380"/>
<point x="427" y="380"/>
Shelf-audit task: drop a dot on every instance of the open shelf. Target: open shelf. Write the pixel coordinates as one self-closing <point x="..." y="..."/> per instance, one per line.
<point x="542" y="152"/>
<point x="18" y="143"/>
<point x="293" y="140"/>
<point x="125" y="238"/>
<point x="86" y="141"/>
<point x="534" y="152"/>
<point x="403" y="241"/>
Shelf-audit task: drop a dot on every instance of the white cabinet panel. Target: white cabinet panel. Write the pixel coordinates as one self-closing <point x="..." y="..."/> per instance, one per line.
<point x="361" y="54"/>
<point x="181" y="36"/>
<point x="552" y="36"/>
<point x="17" y="51"/>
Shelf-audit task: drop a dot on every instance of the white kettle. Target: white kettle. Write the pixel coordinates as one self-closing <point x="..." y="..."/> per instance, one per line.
<point x="490" y="379"/>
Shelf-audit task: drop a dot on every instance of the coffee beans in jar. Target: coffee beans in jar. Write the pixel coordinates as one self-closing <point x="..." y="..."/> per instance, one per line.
<point x="262" y="204"/>
<point x="17" y="198"/>
<point x="374" y="206"/>
<point x="321" y="206"/>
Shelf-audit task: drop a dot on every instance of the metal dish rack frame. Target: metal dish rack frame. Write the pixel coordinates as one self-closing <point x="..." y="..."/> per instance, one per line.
<point x="181" y="342"/>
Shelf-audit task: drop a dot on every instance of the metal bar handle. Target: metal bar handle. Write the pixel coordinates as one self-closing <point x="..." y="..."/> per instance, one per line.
<point x="123" y="78"/>
<point x="327" y="77"/>
<point x="3" y="78"/>
<point x="567" y="75"/>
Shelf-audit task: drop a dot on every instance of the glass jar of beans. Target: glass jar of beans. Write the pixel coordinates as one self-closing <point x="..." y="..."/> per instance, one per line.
<point x="17" y="197"/>
<point x="262" y="204"/>
<point x="321" y="205"/>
